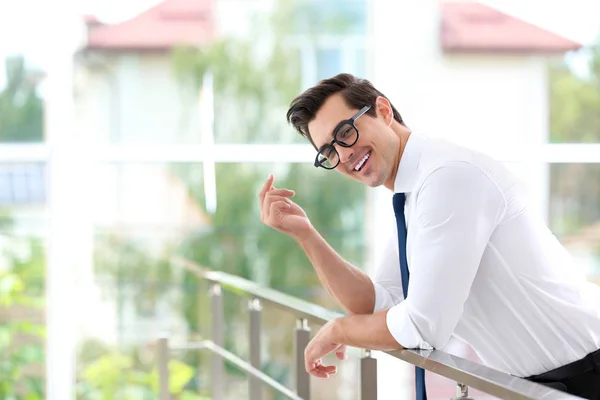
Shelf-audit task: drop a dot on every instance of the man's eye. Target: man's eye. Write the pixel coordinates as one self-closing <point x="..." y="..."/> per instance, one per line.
<point x="345" y="132"/>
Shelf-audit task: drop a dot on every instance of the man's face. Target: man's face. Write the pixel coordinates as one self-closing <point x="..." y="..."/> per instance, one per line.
<point x="372" y="160"/>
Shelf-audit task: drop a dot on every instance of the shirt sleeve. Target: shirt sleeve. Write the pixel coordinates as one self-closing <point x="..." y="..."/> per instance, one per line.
<point x="457" y="209"/>
<point x="387" y="279"/>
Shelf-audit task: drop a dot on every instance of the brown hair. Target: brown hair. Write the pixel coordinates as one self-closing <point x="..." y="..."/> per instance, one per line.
<point x="356" y="92"/>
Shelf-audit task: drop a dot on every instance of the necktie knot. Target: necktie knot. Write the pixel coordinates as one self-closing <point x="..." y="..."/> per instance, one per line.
<point x="399" y="201"/>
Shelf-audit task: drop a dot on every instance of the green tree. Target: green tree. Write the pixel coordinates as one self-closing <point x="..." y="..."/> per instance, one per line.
<point x="21" y="109"/>
<point x="21" y="314"/>
<point x="575" y="102"/>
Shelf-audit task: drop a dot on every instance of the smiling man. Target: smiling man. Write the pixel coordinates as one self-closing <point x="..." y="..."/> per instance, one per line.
<point x="470" y="258"/>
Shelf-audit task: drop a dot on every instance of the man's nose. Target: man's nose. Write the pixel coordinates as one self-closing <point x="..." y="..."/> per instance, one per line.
<point x="345" y="153"/>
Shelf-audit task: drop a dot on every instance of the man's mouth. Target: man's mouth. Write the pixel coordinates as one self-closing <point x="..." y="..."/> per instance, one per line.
<point x="362" y="162"/>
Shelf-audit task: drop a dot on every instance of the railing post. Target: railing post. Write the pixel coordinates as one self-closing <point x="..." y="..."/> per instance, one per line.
<point x="302" y="378"/>
<point x="218" y="366"/>
<point x="462" y="392"/>
<point x="254" y="384"/>
<point x="368" y="377"/>
<point x="162" y="360"/>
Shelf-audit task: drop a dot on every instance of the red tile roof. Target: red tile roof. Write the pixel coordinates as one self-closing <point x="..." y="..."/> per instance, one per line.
<point x="162" y="27"/>
<point x="474" y="27"/>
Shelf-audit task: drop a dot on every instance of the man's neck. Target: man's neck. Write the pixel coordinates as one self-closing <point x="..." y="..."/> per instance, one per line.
<point x="403" y="135"/>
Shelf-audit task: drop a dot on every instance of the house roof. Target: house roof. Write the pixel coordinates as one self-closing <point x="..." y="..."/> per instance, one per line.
<point x="168" y="24"/>
<point x="473" y="27"/>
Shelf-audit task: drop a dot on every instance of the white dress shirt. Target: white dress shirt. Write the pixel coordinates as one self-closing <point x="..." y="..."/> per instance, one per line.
<point x="484" y="267"/>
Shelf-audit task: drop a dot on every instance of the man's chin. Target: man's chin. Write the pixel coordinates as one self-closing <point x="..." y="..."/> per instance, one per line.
<point x="371" y="181"/>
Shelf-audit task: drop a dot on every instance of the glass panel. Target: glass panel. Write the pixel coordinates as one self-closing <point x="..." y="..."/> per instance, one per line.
<point x="575" y="98"/>
<point x="360" y="69"/>
<point x="345" y="17"/>
<point x="22" y="184"/>
<point x="23" y="215"/>
<point x="255" y="81"/>
<point x="575" y="213"/>
<point x="329" y="63"/>
<point x="130" y="294"/>
<point x="21" y="105"/>
<point x="239" y="243"/>
<point x="133" y="99"/>
<point x="146" y="214"/>
<point x="22" y="278"/>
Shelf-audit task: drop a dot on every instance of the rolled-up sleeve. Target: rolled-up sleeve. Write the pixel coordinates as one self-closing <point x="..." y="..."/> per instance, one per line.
<point x="386" y="278"/>
<point x="457" y="209"/>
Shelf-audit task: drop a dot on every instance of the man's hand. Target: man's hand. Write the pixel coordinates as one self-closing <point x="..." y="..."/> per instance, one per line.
<point x="321" y="345"/>
<point x="281" y="213"/>
<point x="367" y="331"/>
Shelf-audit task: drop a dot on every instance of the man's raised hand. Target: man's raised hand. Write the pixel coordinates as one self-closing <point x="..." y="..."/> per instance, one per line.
<point x="278" y="211"/>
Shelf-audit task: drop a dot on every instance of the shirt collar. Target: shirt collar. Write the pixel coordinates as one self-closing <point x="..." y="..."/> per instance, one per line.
<point x="409" y="164"/>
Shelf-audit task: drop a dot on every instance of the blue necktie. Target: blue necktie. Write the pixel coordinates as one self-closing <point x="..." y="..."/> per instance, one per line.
<point x="399" y="199"/>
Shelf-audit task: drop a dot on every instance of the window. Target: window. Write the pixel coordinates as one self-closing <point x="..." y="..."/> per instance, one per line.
<point x="329" y="62"/>
<point x="574" y="171"/>
<point x="337" y="17"/>
<point x="574" y="213"/>
<point x="21" y="114"/>
<point x="22" y="184"/>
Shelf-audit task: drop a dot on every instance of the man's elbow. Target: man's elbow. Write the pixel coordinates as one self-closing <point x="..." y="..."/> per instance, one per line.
<point x="436" y="339"/>
<point x="359" y="309"/>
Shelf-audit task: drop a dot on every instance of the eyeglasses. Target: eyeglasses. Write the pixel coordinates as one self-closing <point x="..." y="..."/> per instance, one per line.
<point x="345" y="134"/>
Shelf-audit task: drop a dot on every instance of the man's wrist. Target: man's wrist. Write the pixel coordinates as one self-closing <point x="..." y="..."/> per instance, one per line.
<point x="337" y="331"/>
<point x="307" y="236"/>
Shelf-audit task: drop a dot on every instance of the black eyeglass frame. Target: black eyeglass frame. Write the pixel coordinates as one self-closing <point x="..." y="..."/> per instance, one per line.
<point x="350" y="121"/>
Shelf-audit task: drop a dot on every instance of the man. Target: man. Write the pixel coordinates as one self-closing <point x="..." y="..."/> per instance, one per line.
<point x="482" y="265"/>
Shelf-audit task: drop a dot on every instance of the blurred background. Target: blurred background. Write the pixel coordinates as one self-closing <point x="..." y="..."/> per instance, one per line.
<point x="133" y="132"/>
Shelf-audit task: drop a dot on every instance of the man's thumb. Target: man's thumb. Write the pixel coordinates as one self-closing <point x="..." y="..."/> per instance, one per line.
<point x="341" y="352"/>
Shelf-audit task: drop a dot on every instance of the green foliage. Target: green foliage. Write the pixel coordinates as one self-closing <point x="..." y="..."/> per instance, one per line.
<point x="21" y="112"/>
<point x="115" y="375"/>
<point x="575" y="101"/>
<point x="124" y="264"/>
<point x="21" y="340"/>
<point x="237" y="242"/>
<point x="574" y="107"/>
<point x="245" y="89"/>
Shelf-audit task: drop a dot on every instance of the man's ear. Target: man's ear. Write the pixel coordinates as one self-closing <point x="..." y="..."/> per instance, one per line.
<point x="384" y="110"/>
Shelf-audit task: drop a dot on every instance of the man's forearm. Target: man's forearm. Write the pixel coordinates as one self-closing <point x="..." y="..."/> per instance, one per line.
<point x="350" y="287"/>
<point x="365" y="331"/>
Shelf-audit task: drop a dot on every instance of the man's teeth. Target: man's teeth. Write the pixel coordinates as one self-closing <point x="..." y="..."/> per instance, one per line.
<point x="362" y="161"/>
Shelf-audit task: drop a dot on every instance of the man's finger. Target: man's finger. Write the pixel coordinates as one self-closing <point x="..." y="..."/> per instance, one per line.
<point x="266" y="206"/>
<point x="322" y="371"/>
<point x="281" y="192"/>
<point x="277" y="207"/>
<point x="319" y="374"/>
<point x="266" y="187"/>
<point x="330" y="369"/>
<point x="341" y="353"/>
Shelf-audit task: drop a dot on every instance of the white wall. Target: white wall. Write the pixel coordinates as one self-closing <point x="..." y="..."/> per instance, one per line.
<point x="234" y="17"/>
<point x="134" y="98"/>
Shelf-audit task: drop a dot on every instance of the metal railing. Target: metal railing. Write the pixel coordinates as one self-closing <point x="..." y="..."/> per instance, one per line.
<point x="466" y="373"/>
